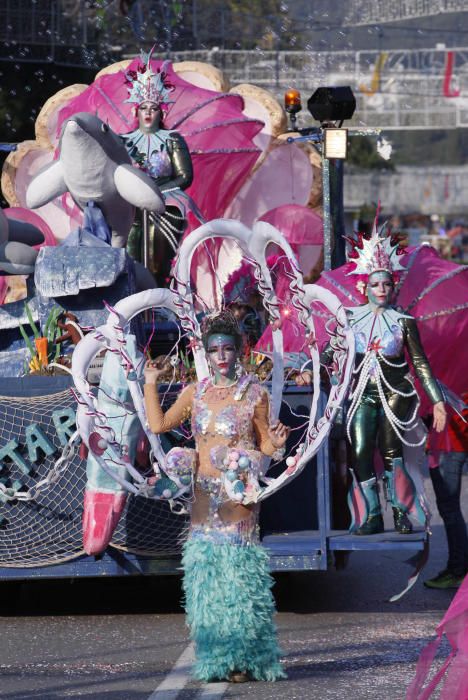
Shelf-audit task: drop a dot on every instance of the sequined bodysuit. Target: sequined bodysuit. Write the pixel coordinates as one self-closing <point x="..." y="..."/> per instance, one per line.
<point x="223" y="418"/>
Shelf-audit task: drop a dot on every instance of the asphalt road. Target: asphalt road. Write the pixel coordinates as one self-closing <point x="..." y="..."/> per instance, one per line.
<point x="118" y="639"/>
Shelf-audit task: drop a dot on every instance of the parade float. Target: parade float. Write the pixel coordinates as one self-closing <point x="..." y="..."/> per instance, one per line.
<point x="76" y="452"/>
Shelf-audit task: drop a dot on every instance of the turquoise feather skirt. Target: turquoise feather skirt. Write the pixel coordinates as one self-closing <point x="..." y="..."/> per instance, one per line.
<point x="230" y="610"/>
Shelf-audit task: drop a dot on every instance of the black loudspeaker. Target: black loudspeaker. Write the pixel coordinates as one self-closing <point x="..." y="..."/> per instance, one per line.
<point x="331" y="104"/>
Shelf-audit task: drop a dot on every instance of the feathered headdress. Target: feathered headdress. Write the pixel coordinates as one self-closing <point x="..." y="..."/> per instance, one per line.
<point x="378" y="252"/>
<point x="145" y="85"/>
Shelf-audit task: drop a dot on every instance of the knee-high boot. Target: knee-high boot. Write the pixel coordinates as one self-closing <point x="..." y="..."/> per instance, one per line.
<point x="373" y="523"/>
<point x="400" y="518"/>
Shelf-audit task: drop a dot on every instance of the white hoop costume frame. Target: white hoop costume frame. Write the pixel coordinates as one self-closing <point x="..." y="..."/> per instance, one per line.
<point x="92" y="423"/>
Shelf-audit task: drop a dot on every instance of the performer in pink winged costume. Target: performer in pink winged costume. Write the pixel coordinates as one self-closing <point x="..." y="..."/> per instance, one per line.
<point x="164" y="155"/>
<point x="383" y="401"/>
<point x="454" y="670"/>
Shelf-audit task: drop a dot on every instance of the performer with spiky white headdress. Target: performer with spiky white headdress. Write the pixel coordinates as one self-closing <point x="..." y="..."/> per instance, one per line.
<point x="165" y="156"/>
<point x="384" y="402"/>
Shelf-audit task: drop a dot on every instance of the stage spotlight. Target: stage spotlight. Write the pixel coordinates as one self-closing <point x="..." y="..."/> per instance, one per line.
<point x="332" y="104"/>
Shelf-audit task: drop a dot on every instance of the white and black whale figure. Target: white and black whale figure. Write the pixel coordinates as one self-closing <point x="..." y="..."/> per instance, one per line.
<point x="94" y="165"/>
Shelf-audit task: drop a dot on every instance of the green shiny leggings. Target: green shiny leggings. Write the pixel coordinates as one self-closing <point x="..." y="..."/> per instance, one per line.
<point x="371" y="427"/>
<point x="160" y="250"/>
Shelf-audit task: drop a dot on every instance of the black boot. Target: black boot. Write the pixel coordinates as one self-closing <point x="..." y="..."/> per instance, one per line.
<point x="402" y="523"/>
<point x="374" y="523"/>
<point x="373" y="526"/>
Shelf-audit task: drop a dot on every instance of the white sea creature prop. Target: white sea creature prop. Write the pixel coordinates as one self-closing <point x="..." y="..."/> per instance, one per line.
<point x="94" y="165"/>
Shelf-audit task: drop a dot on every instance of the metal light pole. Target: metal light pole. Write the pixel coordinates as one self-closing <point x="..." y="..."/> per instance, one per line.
<point x="335" y="175"/>
<point x="329" y="106"/>
<point x="333" y="204"/>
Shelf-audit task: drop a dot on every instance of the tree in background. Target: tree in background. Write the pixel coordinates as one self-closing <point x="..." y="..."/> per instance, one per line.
<point x="362" y="153"/>
<point x="173" y="25"/>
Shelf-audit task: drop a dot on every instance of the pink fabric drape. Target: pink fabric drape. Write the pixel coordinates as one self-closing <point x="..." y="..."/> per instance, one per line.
<point x="454" y="670"/>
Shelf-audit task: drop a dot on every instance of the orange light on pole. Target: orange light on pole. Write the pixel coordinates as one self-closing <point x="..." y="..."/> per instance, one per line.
<point x="292" y="101"/>
<point x="292" y="105"/>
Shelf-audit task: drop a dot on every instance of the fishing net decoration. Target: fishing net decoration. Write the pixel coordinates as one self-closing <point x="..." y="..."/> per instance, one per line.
<point x="47" y="530"/>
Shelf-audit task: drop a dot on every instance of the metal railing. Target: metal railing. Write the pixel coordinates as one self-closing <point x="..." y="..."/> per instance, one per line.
<point x="406" y="91"/>
<point x="440" y="189"/>
<point x="362" y="12"/>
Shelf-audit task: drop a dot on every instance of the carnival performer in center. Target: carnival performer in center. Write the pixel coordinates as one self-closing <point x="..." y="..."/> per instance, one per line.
<point x="383" y="401"/>
<point x="164" y="155"/>
<point x="227" y="585"/>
